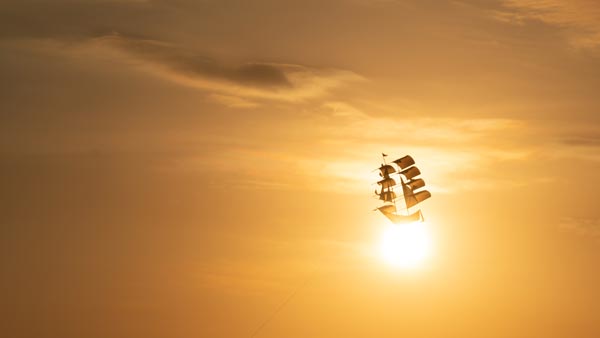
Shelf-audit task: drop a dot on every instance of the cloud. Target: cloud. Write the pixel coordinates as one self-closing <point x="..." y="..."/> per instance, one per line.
<point x="233" y="101"/>
<point x="235" y="85"/>
<point x="337" y="146"/>
<point x="579" y="18"/>
<point x="189" y="64"/>
<point x="588" y="227"/>
<point x="585" y="138"/>
<point x="132" y="31"/>
<point x="455" y="153"/>
<point x="575" y="141"/>
<point x="75" y="20"/>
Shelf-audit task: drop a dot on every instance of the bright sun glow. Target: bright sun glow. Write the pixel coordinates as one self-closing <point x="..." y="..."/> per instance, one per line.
<point x="406" y="245"/>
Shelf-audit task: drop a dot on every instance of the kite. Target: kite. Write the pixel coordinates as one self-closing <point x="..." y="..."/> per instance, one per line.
<point x="407" y="173"/>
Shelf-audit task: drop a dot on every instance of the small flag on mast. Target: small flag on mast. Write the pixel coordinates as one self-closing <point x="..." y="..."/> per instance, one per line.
<point x="383" y="154"/>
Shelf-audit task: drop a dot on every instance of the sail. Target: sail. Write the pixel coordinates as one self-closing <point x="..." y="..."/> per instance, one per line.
<point x="402" y="219"/>
<point x="413" y="199"/>
<point x="416" y="183"/>
<point x="387" y="196"/>
<point x="406" y="191"/>
<point x="387" y="183"/>
<point x="405" y="162"/>
<point x="411" y="172"/>
<point x="386" y="170"/>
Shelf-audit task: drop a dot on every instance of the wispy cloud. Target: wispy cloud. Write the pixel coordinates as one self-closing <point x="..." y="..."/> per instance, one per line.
<point x="577" y="141"/>
<point x="339" y="146"/>
<point x="588" y="227"/>
<point x="579" y="18"/>
<point x="237" y="85"/>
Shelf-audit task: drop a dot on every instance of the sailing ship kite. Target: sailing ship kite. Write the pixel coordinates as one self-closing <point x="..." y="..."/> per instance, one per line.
<point x="407" y="173"/>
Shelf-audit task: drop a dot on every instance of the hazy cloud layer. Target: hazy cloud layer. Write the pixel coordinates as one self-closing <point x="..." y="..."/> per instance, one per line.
<point x="276" y="81"/>
<point x="173" y="168"/>
<point x="579" y="18"/>
<point x="340" y="145"/>
<point x="76" y="20"/>
<point x="588" y="227"/>
<point x="192" y="65"/>
<point x="587" y="137"/>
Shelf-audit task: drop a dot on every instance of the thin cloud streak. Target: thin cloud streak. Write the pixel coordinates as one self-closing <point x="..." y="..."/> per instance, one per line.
<point x="580" y="18"/>
<point x="585" y="227"/>
<point x="241" y="83"/>
<point x="457" y="154"/>
<point x="344" y="152"/>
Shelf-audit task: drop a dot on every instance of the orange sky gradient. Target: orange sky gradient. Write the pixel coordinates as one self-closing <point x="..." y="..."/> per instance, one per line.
<point x="177" y="168"/>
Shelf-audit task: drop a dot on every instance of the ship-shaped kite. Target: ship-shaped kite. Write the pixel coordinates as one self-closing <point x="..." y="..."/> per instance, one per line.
<point x="405" y="172"/>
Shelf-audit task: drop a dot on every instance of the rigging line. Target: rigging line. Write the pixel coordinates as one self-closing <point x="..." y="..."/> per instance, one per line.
<point x="403" y="196"/>
<point x="283" y="304"/>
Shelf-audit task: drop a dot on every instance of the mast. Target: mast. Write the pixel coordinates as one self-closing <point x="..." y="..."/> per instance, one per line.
<point x="383" y="156"/>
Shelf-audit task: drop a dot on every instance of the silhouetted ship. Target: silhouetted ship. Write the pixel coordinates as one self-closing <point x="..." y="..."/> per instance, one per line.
<point x="407" y="174"/>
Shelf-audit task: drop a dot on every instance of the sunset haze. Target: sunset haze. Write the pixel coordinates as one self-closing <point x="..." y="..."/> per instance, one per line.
<point x="185" y="168"/>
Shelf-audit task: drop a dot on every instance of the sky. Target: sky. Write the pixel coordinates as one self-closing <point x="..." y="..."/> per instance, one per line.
<point x="179" y="168"/>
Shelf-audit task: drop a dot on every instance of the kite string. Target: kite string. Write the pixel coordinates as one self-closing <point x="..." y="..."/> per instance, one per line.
<point x="283" y="304"/>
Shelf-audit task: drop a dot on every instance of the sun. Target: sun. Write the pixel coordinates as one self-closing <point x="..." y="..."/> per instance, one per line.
<point x="406" y="245"/>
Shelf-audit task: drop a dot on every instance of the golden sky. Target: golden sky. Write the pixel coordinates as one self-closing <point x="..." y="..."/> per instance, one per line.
<point x="177" y="168"/>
